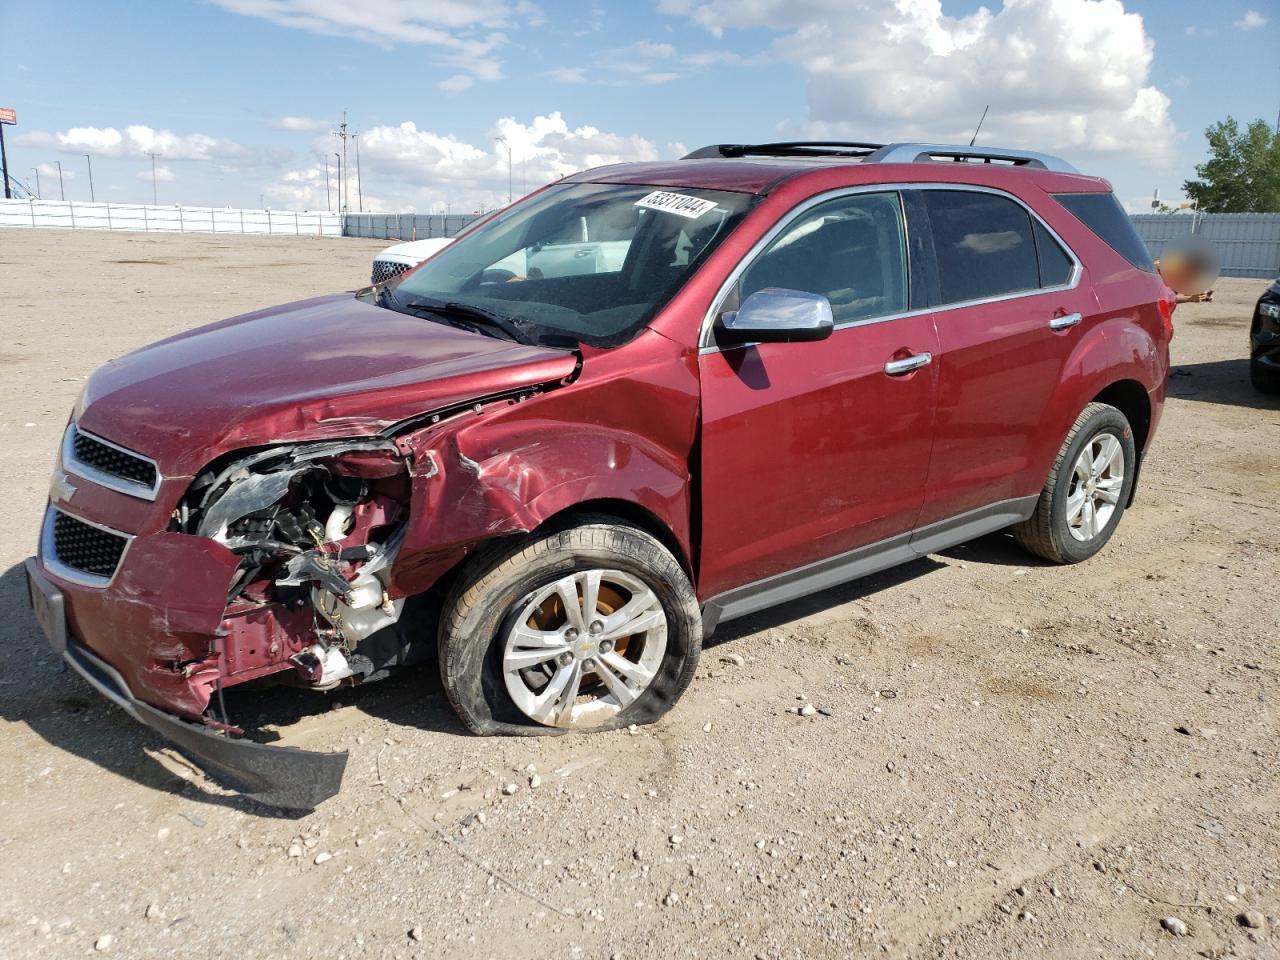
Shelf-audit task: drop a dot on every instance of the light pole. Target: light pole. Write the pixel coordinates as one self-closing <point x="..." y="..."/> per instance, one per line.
<point x="154" y="201"/>
<point x="359" y="185"/>
<point x="90" y="163"/>
<point x="36" y="171"/>
<point x="62" y="189"/>
<point x="337" y="158"/>
<point x="505" y="143"/>
<point x="328" y="201"/>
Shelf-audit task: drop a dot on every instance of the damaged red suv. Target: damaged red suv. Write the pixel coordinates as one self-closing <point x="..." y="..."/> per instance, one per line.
<point x="640" y="402"/>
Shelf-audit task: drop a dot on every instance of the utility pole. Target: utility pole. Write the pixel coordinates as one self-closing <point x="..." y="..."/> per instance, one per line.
<point x="62" y="189"/>
<point x="344" y="173"/>
<point x="154" y="201"/>
<point x="359" y="185"/>
<point x="89" y="161"/>
<point x="328" y="201"/>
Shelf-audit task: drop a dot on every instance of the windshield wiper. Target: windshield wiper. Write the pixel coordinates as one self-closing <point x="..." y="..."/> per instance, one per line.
<point x="474" y="316"/>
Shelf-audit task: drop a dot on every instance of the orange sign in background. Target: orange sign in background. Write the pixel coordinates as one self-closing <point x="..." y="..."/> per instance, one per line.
<point x="8" y="115"/>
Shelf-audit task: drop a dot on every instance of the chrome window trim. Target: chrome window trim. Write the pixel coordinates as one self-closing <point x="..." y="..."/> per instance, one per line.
<point x="706" y="343"/>
<point x="73" y="465"/>
<point x="49" y="554"/>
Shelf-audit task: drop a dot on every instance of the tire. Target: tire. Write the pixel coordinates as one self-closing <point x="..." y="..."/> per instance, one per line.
<point x="1055" y="530"/>
<point x="1264" y="380"/>
<point x="482" y="624"/>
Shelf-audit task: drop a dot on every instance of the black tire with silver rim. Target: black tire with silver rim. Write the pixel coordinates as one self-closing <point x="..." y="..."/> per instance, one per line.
<point x="587" y="628"/>
<point x="1087" y="489"/>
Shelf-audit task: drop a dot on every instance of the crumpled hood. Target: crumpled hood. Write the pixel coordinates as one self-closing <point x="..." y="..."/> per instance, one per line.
<point x="330" y="367"/>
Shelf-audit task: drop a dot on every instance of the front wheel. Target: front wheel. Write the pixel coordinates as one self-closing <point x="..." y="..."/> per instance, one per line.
<point x="589" y="628"/>
<point x="1088" y="487"/>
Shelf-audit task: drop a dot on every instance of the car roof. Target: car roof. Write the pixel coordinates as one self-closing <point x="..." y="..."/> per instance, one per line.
<point x="760" y="174"/>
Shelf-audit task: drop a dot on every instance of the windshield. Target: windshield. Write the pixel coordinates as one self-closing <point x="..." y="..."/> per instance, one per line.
<point x="578" y="262"/>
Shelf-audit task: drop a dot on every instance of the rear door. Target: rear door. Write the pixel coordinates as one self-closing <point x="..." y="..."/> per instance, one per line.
<point x="810" y="450"/>
<point x="1009" y="311"/>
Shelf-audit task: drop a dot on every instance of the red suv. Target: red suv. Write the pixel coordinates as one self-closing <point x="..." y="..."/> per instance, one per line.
<point x="640" y="402"/>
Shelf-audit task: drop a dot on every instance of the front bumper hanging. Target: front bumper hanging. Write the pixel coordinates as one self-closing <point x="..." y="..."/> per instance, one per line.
<point x="283" y="777"/>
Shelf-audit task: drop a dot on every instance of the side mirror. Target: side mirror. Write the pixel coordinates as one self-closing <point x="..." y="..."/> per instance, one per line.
<point x="774" y="315"/>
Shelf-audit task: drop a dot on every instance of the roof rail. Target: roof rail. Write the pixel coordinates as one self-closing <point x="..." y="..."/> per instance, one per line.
<point x="789" y="148"/>
<point x="939" y="152"/>
<point x="886" y="153"/>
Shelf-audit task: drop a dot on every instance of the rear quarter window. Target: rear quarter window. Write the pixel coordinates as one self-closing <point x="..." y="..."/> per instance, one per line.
<point x="1102" y="213"/>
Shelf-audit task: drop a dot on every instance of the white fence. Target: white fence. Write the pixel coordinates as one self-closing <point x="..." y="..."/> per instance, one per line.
<point x="176" y="219"/>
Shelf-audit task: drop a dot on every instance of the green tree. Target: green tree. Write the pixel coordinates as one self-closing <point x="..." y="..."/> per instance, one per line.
<point x="1242" y="174"/>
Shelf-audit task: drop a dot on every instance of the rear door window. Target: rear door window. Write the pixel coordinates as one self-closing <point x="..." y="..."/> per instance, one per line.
<point x="984" y="245"/>
<point x="1102" y="213"/>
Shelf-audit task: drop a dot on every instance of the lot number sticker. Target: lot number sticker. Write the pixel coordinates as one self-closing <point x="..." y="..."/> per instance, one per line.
<point x="680" y="204"/>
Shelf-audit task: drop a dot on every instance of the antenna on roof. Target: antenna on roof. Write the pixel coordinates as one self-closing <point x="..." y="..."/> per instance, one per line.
<point x="979" y="127"/>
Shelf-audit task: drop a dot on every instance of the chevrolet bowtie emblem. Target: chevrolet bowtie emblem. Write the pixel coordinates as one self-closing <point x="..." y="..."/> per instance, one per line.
<point x="61" y="487"/>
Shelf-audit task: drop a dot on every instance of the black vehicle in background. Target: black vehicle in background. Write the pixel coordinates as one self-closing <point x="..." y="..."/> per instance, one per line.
<point x="1264" y="341"/>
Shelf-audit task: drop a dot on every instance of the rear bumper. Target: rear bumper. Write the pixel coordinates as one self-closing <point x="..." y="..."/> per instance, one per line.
<point x="278" y="776"/>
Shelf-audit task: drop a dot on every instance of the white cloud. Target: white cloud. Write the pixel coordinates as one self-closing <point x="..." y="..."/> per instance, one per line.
<point x="456" y="84"/>
<point x="408" y="168"/>
<point x="51" y="170"/>
<point x="1251" y="20"/>
<point x="466" y="31"/>
<point x="650" y="50"/>
<point x="138" y="140"/>
<point x="1067" y="75"/>
<point x="298" y="123"/>
<point x="163" y="175"/>
<point x="568" y="75"/>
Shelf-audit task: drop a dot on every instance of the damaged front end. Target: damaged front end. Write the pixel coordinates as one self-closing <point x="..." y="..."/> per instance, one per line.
<point x="315" y="528"/>
<point x="274" y="563"/>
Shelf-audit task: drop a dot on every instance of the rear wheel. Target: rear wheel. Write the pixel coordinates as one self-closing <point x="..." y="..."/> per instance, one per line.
<point x="1087" y="489"/>
<point x="589" y="628"/>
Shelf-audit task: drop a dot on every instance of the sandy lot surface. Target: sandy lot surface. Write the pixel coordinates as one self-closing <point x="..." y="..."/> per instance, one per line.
<point x="1019" y="760"/>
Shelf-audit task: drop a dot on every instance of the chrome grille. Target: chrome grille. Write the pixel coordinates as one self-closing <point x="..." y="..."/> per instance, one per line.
<point x="109" y="464"/>
<point x="82" y="546"/>
<point x="386" y="269"/>
<point x="119" y="463"/>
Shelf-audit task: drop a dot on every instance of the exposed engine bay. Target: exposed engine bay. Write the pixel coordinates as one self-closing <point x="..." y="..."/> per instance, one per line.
<point x="316" y="528"/>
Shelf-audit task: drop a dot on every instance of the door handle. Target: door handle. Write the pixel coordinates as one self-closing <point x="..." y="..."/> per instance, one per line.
<point x="896" y="368"/>
<point x="1064" y="321"/>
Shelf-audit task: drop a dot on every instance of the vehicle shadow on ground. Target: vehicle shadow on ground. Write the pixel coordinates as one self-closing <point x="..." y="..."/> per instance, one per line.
<point x="62" y="709"/>
<point x="1219" y="381"/>
<point x="996" y="549"/>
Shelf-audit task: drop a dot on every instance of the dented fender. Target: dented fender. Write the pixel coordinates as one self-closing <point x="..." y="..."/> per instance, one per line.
<point x="518" y="462"/>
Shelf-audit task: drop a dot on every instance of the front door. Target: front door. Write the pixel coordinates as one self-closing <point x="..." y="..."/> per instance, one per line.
<point x="811" y="450"/>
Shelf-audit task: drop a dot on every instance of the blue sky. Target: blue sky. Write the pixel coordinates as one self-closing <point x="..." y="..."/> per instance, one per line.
<point x="238" y="96"/>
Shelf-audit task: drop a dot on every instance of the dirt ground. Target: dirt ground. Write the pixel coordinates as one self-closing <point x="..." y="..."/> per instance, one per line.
<point x="1013" y="759"/>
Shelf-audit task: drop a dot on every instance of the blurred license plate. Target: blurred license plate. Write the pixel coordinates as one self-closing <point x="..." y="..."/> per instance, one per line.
<point x="47" y="605"/>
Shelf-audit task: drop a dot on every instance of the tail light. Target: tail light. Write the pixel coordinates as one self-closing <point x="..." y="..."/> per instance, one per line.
<point x="1168" y="300"/>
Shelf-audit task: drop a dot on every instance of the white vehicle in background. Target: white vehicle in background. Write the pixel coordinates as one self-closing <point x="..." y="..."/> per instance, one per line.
<point x="580" y="248"/>
<point x="399" y="257"/>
